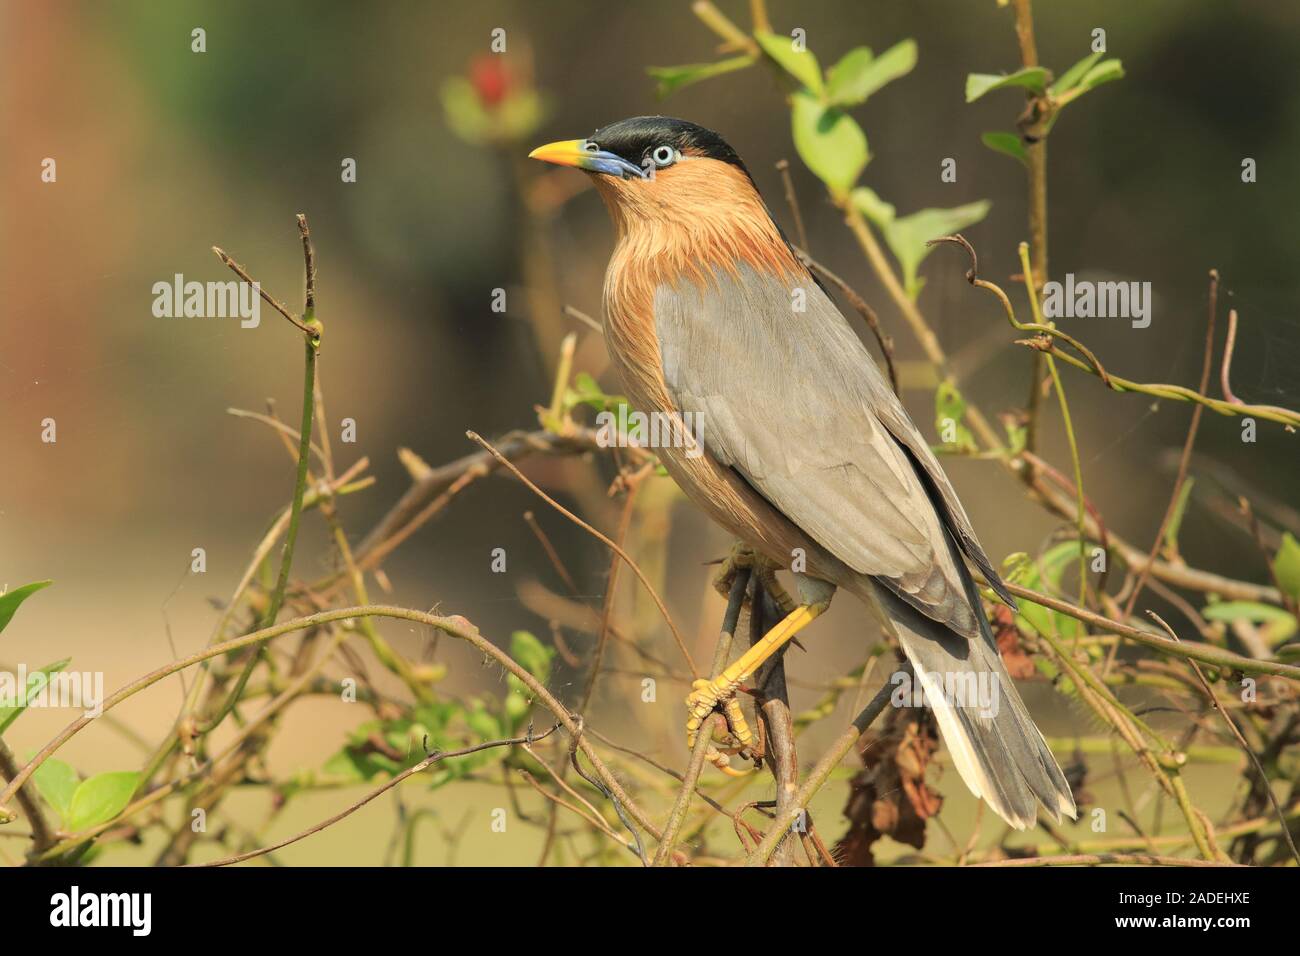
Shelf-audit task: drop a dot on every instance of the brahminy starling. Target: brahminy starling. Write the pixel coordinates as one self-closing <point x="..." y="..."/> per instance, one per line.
<point x="809" y="457"/>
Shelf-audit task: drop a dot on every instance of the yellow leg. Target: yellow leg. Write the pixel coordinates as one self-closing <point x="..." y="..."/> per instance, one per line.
<point x="772" y="585"/>
<point x="708" y="694"/>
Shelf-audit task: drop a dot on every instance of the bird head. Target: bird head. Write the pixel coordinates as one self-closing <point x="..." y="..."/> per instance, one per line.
<point x="682" y="201"/>
<point x="658" y="169"/>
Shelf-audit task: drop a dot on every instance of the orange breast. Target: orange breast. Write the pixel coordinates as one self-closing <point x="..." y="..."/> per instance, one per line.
<point x="681" y="228"/>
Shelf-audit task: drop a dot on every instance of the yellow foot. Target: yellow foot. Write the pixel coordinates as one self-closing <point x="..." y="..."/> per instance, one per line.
<point x="707" y="696"/>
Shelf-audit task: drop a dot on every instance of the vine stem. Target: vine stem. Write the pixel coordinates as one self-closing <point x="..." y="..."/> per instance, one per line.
<point x="42" y="834"/>
<point x="1184" y="460"/>
<point x="457" y="627"/>
<point x="1192" y="650"/>
<point x="425" y="764"/>
<point x="311" y="328"/>
<point x="312" y="346"/>
<point x="819" y="774"/>
<point x="603" y="539"/>
<point x="1081" y="517"/>
<point x="682" y="804"/>
<point x="161" y="792"/>
<point x="1036" y="169"/>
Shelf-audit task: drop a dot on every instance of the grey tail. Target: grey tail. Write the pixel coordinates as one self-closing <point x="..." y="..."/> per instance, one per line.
<point x="997" y="750"/>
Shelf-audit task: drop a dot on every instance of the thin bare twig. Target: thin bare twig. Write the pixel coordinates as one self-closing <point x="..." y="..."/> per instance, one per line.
<point x="1206" y="365"/>
<point x="819" y="774"/>
<point x="457" y="627"/>
<point x="1105" y="859"/>
<point x="238" y="270"/>
<point x="1116" y="383"/>
<point x="584" y="318"/>
<point x="423" y="765"/>
<point x="783" y="167"/>
<point x="654" y="595"/>
<point x="1205" y="653"/>
<point x="1213" y="700"/>
<point x="682" y="804"/>
<point x="42" y="835"/>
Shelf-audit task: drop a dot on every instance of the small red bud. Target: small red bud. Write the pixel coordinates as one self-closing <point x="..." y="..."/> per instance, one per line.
<point x="490" y="79"/>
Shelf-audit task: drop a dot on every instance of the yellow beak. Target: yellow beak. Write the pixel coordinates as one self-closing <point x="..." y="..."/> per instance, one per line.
<point x="583" y="155"/>
<point x="565" y="152"/>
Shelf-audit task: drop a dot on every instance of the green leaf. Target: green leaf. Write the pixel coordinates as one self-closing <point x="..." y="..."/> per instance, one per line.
<point x="872" y="206"/>
<point x="844" y="79"/>
<point x="1275" y="624"/>
<point x="516" y="701"/>
<point x="673" y="78"/>
<point x="515" y="117"/>
<point x="907" y="236"/>
<point x="1286" y="565"/>
<point x="57" y="781"/>
<point x="1242" y="611"/>
<point x="9" y="712"/>
<point x="1056" y="559"/>
<point x="1095" y="76"/>
<point x="1103" y="72"/>
<point x="435" y="716"/>
<point x="520" y="114"/>
<point x="1043" y="575"/>
<point x="829" y="141"/>
<point x="801" y="64"/>
<point x="949" y="411"/>
<point x="1033" y="78"/>
<point x="1009" y="144"/>
<point x="586" y="391"/>
<point x="101" y="798"/>
<point x="857" y="75"/>
<point x="482" y="721"/>
<point x="536" y="659"/>
<point x="1074" y="74"/>
<point x="532" y="654"/>
<point x="10" y="600"/>
<point x="350" y="766"/>
<point x="1017" y="435"/>
<point x="464" y="112"/>
<point x="1176" y="519"/>
<point x="361" y="760"/>
<point x="1017" y="564"/>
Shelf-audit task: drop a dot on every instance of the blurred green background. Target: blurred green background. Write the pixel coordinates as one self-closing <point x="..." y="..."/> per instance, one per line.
<point x="162" y="152"/>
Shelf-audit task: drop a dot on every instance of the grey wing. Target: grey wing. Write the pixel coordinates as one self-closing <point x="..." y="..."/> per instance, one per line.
<point x="795" y="404"/>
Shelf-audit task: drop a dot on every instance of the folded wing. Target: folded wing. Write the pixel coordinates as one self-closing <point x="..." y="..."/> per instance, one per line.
<point x="793" y="402"/>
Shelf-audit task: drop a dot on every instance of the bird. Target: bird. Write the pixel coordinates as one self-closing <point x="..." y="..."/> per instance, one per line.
<point x="808" y="456"/>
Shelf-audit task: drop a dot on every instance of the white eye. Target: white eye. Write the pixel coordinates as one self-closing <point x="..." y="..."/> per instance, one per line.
<point x="664" y="156"/>
<point x="591" y="147"/>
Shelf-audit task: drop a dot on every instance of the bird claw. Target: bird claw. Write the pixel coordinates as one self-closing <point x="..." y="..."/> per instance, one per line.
<point x="706" y="697"/>
<point x="741" y="556"/>
<point x="722" y="760"/>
